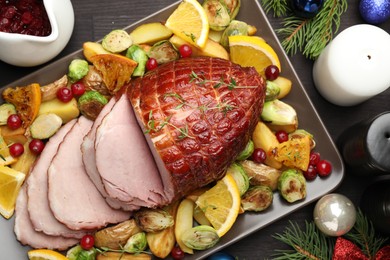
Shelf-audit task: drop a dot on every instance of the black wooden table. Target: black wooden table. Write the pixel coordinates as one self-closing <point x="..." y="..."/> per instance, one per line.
<point x="95" y="18"/>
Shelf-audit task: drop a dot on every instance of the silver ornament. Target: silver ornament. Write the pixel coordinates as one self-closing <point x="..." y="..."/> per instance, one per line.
<point x="334" y="214"/>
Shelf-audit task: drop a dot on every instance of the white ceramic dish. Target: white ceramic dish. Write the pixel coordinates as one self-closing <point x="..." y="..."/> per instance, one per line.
<point x="247" y="223"/>
<point x="27" y="51"/>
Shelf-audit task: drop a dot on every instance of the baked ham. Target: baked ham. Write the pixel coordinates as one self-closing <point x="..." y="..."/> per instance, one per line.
<point x="199" y="114"/>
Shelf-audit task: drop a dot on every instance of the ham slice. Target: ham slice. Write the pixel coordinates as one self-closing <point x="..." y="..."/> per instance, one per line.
<point x="38" y="207"/>
<point x="124" y="161"/>
<point x="73" y="198"/>
<point x="26" y="233"/>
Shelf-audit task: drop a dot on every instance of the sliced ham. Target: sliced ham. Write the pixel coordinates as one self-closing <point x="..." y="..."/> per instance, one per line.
<point x="26" y="233"/>
<point x="38" y="207"/>
<point x="124" y="161"/>
<point x="73" y="198"/>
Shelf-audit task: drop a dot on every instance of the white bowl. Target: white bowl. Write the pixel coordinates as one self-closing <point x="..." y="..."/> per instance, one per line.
<point x="27" y="50"/>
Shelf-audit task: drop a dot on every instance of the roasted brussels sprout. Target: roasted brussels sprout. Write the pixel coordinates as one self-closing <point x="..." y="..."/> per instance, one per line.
<point x="272" y="91"/>
<point x="153" y="220"/>
<point x="240" y="176"/>
<point x="233" y="7"/>
<point x="292" y="185"/>
<point x="247" y="152"/>
<point x="163" y="52"/>
<point x="136" y="243"/>
<point x="257" y="198"/>
<point x="78" y="68"/>
<point x="91" y="103"/>
<point x="137" y="54"/>
<point x="94" y="81"/>
<point x="200" y="237"/>
<point x="217" y="13"/>
<point x="117" y="41"/>
<point x="279" y="116"/>
<point x="261" y="174"/>
<point x="78" y="253"/>
<point x="235" y="28"/>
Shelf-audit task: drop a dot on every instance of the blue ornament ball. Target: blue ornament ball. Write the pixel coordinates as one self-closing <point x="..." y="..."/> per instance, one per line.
<point x="307" y="8"/>
<point x="221" y="256"/>
<point x="375" y="12"/>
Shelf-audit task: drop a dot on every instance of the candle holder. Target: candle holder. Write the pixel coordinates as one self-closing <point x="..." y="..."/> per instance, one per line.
<point x="353" y="67"/>
<point x="365" y="146"/>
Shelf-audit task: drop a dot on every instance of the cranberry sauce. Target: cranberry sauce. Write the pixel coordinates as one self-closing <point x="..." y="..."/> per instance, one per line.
<point x="24" y="17"/>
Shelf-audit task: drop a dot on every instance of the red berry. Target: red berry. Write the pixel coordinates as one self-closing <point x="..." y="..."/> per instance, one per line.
<point x="310" y="173"/>
<point x="16" y="150"/>
<point x="151" y="64"/>
<point x="282" y="136"/>
<point x="36" y="146"/>
<point x="185" y="51"/>
<point x="177" y="253"/>
<point x="259" y="155"/>
<point x="64" y="94"/>
<point x="87" y="242"/>
<point x="14" y="121"/>
<point x="78" y="89"/>
<point x="324" y="168"/>
<point x="271" y="72"/>
<point x="314" y="158"/>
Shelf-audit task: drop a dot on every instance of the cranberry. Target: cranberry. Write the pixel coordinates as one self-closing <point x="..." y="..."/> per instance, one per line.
<point x="27" y="17"/>
<point x="14" y="121"/>
<point x="177" y="253"/>
<point x="36" y="146"/>
<point x="324" y="168"/>
<point x="87" y="242"/>
<point x="151" y="64"/>
<point x="314" y="158"/>
<point x="259" y="155"/>
<point x="64" y="94"/>
<point x="16" y="149"/>
<point x="282" y="136"/>
<point x="310" y="173"/>
<point x="78" y="88"/>
<point x="271" y="72"/>
<point x="185" y="51"/>
<point x="10" y="12"/>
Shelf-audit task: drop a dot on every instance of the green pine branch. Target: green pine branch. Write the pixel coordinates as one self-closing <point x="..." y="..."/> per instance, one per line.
<point x="309" y="36"/>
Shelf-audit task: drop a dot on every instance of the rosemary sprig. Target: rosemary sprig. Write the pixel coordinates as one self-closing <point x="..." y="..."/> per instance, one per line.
<point x="232" y="84"/>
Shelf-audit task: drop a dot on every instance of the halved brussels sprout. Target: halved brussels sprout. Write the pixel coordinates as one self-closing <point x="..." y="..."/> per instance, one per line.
<point x="217" y="13"/>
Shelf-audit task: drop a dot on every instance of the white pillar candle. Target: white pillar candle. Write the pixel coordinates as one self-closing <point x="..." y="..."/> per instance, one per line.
<point x="354" y="66"/>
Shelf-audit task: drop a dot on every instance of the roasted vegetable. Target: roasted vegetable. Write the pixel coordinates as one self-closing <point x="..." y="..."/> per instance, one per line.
<point x="94" y="81"/>
<point x="294" y="152"/>
<point x="285" y="86"/>
<point x="116" y="236"/>
<point x="122" y="256"/>
<point x="49" y="91"/>
<point x="233" y="7"/>
<point x="257" y="198"/>
<point x="137" y="54"/>
<point x="6" y="110"/>
<point x="235" y="28"/>
<point x="150" y="33"/>
<point x="272" y="91"/>
<point x="280" y="116"/>
<point x="301" y="133"/>
<point x="217" y="14"/>
<point x="67" y="111"/>
<point x="91" y="103"/>
<point x="163" y="52"/>
<point x="117" y="41"/>
<point x="153" y="220"/>
<point x="78" y="253"/>
<point x="247" y="152"/>
<point x="200" y="217"/>
<point x="92" y="48"/>
<point x="136" y="243"/>
<point x="200" y="237"/>
<point x="26" y="99"/>
<point x="261" y="174"/>
<point x="240" y="176"/>
<point x="292" y="185"/>
<point x="183" y="222"/>
<point x="45" y="125"/>
<point x="78" y="68"/>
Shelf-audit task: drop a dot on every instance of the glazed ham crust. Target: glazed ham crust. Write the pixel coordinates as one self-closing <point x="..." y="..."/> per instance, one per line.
<point x="199" y="114"/>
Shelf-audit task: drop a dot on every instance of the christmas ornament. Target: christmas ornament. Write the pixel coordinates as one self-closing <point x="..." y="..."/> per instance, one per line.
<point x="375" y="12"/>
<point x="334" y="214"/>
<point x="221" y="256"/>
<point x="375" y="203"/>
<point x="307" y="8"/>
<point x="345" y="249"/>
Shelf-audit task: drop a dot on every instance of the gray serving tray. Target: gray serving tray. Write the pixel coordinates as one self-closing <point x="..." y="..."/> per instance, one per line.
<point x="252" y="13"/>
